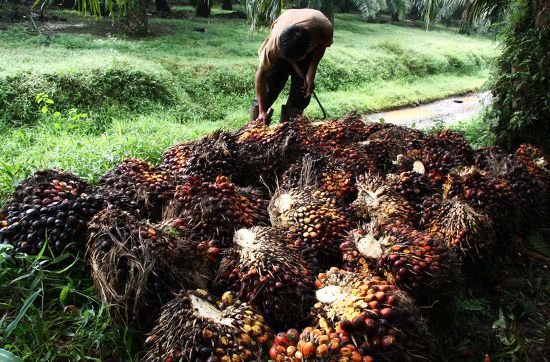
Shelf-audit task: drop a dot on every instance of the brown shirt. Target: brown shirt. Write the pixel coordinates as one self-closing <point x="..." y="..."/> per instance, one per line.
<point x="320" y="29"/>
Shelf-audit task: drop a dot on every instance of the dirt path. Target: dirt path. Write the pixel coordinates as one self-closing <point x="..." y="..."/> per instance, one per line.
<point x="448" y="111"/>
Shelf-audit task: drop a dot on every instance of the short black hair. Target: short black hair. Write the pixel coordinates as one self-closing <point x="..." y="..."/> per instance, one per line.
<point x="294" y="42"/>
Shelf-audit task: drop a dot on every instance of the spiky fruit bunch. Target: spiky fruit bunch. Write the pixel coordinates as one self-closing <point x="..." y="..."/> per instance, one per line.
<point x="213" y="155"/>
<point x="530" y="194"/>
<point x="482" y="191"/>
<point x="137" y="266"/>
<point x="339" y="132"/>
<point x="315" y="344"/>
<point x="139" y="187"/>
<point x="216" y="210"/>
<point x="337" y="182"/>
<point x="196" y="326"/>
<point x="306" y="172"/>
<point x="265" y="272"/>
<point x="50" y="205"/>
<point x="440" y="152"/>
<point x="310" y="220"/>
<point x="377" y="201"/>
<point x="417" y="261"/>
<point x="400" y="138"/>
<point x="462" y="227"/>
<point x="177" y="156"/>
<point x="534" y="158"/>
<point x="415" y="187"/>
<point x="379" y="318"/>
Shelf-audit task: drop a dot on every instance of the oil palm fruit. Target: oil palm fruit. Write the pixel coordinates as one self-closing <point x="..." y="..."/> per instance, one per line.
<point x="470" y="232"/>
<point x="137" y="266"/>
<point x="139" y="187"/>
<point x="177" y="156"/>
<point x="377" y="201"/>
<point x="380" y="320"/>
<point x="267" y="273"/>
<point x="414" y="186"/>
<point x="216" y="209"/>
<point x="213" y="155"/>
<point x="51" y="205"/>
<point x="442" y="151"/>
<point x="196" y="326"/>
<point x="309" y="219"/>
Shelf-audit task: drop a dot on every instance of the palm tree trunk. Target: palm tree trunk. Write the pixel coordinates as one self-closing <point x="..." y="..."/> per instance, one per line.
<point x="203" y="8"/>
<point x="226" y="5"/>
<point x="542" y="11"/>
<point x="134" y="19"/>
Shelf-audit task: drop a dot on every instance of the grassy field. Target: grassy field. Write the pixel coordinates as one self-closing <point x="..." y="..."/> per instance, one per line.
<point x="141" y="96"/>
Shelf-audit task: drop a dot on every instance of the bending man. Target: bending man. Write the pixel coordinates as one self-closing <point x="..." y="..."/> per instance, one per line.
<point x="294" y="48"/>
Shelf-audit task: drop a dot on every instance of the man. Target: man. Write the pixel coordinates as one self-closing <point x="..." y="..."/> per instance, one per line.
<point x="294" y="48"/>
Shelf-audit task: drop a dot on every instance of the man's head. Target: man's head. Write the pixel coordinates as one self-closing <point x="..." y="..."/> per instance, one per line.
<point x="294" y="42"/>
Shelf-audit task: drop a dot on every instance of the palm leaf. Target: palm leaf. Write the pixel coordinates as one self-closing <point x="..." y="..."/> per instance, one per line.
<point x="370" y="8"/>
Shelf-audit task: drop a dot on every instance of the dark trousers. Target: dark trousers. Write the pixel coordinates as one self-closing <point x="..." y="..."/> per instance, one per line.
<point x="276" y="79"/>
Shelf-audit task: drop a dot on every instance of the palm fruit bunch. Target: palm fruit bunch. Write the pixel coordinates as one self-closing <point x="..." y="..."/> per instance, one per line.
<point x="417" y="261"/>
<point x="442" y="151"/>
<point x="196" y="326"/>
<point x="51" y="205"/>
<point x="139" y="187"/>
<point x="315" y="344"/>
<point x="137" y="266"/>
<point x="414" y="186"/>
<point x="304" y="173"/>
<point x="265" y="151"/>
<point x="378" y="201"/>
<point x="310" y="220"/>
<point x="177" y="156"/>
<point x="339" y="132"/>
<point x="485" y="193"/>
<point x="216" y="209"/>
<point x="274" y="277"/>
<point x="535" y="160"/>
<point x="530" y="194"/>
<point x="411" y="259"/>
<point x="462" y="228"/>
<point x="398" y="139"/>
<point x="213" y="155"/>
<point x="379" y="320"/>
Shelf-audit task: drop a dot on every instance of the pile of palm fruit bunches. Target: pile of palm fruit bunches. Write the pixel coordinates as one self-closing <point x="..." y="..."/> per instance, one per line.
<point x="296" y="242"/>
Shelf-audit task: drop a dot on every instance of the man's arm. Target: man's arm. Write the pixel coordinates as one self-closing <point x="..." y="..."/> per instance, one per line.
<point x="260" y="93"/>
<point x="317" y="55"/>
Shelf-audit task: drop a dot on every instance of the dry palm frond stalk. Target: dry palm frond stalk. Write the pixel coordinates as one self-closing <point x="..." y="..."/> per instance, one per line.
<point x="415" y="187"/>
<point x="216" y="209"/>
<point x="267" y="273"/>
<point x="485" y="193"/>
<point x="137" y="266"/>
<point x="139" y="187"/>
<point x="415" y="261"/>
<point x="177" y="156"/>
<point x="196" y="326"/>
<point x="530" y="194"/>
<point x="213" y="155"/>
<point x="377" y="201"/>
<point x="50" y="205"/>
<point x="356" y="318"/>
<point x="442" y="151"/>
<point x="462" y="227"/>
<point x="264" y="152"/>
<point x="309" y="219"/>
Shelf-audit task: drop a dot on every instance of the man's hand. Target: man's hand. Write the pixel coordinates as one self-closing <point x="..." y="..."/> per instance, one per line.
<point x="265" y="117"/>
<point x="309" y="86"/>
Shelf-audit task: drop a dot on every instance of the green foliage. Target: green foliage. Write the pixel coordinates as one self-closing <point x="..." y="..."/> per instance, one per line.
<point x="522" y="88"/>
<point x="100" y="88"/>
<point x="50" y="312"/>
